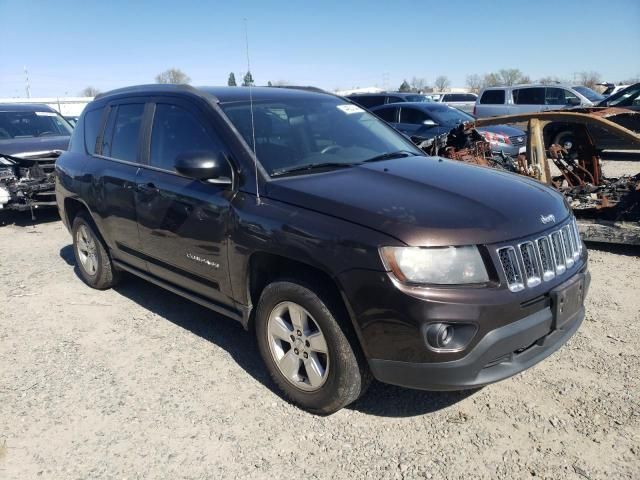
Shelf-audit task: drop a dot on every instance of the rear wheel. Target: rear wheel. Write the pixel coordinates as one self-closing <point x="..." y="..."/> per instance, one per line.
<point x="92" y="259"/>
<point x="306" y="351"/>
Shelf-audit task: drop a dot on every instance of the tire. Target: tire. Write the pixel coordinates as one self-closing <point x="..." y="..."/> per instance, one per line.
<point x="319" y="390"/>
<point x="564" y="139"/>
<point x="94" y="263"/>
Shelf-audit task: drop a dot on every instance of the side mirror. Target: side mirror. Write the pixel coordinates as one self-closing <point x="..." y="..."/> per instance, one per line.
<point x="429" y="123"/>
<point x="205" y="166"/>
<point x="573" y="101"/>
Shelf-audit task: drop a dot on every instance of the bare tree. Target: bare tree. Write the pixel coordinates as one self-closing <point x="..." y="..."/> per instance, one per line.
<point x="173" y="75"/>
<point x="491" y="80"/>
<point x="630" y="80"/>
<point x="511" y="76"/>
<point x="588" y="79"/>
<point x="442" y="83"/>
<point x="89" y="92"/>
<point x="550" y="80"/>
<point x="474" y="82"/>
<point x="418" y="84"/>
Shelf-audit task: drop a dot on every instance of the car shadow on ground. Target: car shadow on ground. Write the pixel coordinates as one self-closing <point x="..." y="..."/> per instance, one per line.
<point x="23" y="219"/>
<point x="380" y="400"/>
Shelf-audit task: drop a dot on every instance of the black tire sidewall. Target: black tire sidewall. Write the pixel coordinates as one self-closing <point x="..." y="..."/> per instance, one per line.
<point x="91" y="280"/>
<point x="343" y="383"/>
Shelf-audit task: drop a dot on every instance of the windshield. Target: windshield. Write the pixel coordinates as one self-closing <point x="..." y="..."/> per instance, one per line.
<point x="32" y="124"/>
<point x="590" y="94"/>
<point x="450" y="116"/>
<point x="307" y="131"/>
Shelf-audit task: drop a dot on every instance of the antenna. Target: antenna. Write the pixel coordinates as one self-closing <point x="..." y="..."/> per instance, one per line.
<point x="27" y="85"/>
<point x="253" y="125"/>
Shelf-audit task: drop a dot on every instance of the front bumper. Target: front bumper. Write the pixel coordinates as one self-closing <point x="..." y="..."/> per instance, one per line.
<point x="514" y="330"/>
<point x="500" y="354"/>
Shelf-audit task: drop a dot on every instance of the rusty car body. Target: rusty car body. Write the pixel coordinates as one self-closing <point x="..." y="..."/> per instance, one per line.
<point x="607" y="208"/>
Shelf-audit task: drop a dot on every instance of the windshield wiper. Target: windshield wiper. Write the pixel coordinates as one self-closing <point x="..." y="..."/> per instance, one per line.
<point x="390" y="155"/>
<point x="310" y="166"/>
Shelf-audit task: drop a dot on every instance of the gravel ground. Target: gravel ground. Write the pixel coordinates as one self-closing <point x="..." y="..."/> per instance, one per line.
<point x="136" y="382"/>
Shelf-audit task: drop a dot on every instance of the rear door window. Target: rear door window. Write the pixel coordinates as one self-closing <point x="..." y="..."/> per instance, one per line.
<point x="92" y="124"/>
<point x="529" y="96"/>
<point x="388" y="114"/>
<point x="126" y="129"/>
<point x="176" y="130"/>
<point x="493" y="97"/>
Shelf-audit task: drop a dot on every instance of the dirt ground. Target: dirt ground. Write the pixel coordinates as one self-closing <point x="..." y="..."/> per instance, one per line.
<point x="136" y="382"/>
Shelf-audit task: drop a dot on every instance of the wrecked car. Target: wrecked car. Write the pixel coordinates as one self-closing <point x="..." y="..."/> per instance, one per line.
<point x="31" y="139"/>
<point x="423" y="121"/>
<point x="607" y="209"/>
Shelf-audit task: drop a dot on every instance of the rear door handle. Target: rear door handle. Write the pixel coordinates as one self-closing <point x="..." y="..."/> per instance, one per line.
<point x="147" y="188"/>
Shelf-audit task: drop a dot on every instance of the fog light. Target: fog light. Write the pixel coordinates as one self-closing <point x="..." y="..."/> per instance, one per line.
<point x="440" y="335"/>
<point x="449" y="336"/>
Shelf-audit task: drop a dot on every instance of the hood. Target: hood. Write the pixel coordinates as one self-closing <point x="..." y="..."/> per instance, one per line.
<point x="17" y="146"/>
<point x="504" y="130"/>
<point x="427" y="201"/>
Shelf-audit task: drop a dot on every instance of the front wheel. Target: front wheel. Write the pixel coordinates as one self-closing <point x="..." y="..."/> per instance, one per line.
<point x="307" y="353"/>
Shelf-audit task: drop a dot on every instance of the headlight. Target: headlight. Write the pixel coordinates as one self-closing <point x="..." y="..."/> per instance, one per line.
<point x="438" y="265"/>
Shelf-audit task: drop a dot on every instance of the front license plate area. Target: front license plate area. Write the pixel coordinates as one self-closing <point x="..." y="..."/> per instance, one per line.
<point x="566" y="300"/>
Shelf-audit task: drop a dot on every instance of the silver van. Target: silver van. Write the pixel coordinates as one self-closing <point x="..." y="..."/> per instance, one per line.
<point x="494" y="101"/>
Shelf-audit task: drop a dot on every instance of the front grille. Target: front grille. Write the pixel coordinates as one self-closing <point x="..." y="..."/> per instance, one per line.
<point x="542" y="259"/>
<point x="518" y="140"/>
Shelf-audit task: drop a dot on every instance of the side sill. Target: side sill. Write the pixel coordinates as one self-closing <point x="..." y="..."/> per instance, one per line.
<point x="181" y="291"/>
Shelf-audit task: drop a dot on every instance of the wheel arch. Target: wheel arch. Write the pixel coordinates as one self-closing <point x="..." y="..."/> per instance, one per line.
<point x="264" y="267"/>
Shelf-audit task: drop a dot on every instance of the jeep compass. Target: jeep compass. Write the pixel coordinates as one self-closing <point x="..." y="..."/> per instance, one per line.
<point x="349" y="253"/>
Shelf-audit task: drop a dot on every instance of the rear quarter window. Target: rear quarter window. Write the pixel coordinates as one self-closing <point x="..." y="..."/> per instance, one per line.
<point x="492" y="97"/>
<point x="92" y="124"/>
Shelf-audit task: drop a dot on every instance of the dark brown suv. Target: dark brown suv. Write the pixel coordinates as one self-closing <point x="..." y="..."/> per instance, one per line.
<point x="349" y="253"/>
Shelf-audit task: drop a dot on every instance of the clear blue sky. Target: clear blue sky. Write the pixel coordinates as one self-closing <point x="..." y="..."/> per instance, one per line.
<point x="68" y="45"/>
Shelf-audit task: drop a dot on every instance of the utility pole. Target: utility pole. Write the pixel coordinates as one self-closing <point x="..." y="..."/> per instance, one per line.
<point x="27" y="86"/>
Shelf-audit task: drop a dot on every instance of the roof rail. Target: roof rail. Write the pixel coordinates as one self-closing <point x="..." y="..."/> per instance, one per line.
<point x="152" y="87"/>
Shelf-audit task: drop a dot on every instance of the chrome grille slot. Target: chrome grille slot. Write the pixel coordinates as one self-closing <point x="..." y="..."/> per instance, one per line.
<point x="511" y="268"/>
<point x="546" y="259"/>
<point x="558" y="252"/>
<point x="578" y="240"/>
<point x="533" y="262"/>
<point x="530" y="263"/>
<point x="568" y="246"/>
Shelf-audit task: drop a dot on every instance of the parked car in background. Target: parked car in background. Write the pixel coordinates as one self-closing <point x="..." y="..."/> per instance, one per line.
<point x="494" y="101"/>
<point x="31" y="138"/>
<point x="611" y="88"/>
<point x="461" y="101"/>
<point x="627" y="98"/>
<point x="347" y="251"/>
<point x="72" y="120"/>
<point x="428" y="120"/>
<point x="590" y="94"/>
<point x="370" y="100"/>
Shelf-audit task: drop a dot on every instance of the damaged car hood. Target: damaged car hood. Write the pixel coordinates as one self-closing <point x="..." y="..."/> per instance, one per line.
<point x="19" y="147"/>
<point x="427" y="201"/>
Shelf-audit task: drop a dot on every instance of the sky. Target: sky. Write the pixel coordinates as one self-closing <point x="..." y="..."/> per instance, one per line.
<point x="68" y="45"/>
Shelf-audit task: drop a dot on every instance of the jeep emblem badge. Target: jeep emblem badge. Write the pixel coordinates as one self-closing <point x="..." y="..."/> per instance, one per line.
<point x="548" y="218"/>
